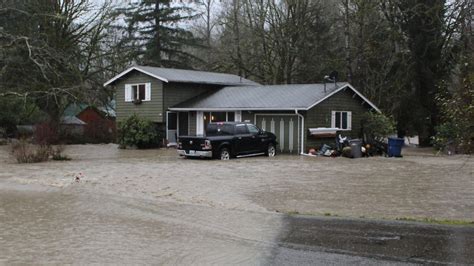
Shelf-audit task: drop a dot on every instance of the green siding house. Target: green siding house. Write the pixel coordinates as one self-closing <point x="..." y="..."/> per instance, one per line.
<point x="182" y="102"/>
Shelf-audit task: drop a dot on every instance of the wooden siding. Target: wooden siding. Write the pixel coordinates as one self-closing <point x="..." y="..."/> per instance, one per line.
<point x="152" y="110"/>
<point x="246" y="115"/>
<point x="174" y="93"/>
<point x="320" y="116"/>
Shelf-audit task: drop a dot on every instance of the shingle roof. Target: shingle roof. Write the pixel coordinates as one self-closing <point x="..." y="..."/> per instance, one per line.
<point x="75" y="109"/>
<point x="187" y="76"/>
<point x="271" y="97"/>
<point x="71" y="120"/>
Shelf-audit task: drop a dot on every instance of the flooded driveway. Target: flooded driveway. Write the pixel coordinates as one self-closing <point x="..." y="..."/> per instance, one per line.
<point x="76" y="227"/>
<point x="83" y="228"/>
<point x="150" y="206"/>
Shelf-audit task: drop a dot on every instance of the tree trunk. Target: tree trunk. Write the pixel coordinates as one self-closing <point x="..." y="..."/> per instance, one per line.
<point x="347" y="41"/>
<point x="157" y="32"/>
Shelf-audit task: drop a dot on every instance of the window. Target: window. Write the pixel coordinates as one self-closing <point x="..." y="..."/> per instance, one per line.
<point x="218" y="117"/>
<point x="141" y="91"/>
<point x="230" y="116"/>
<point x="341" y="120"/>
<point x="219" y="129"/>
<point x="209" y="117"/>
<point x="241" y="129"/>
<point x="138" y="92"/>
<point x="253" y="129"/>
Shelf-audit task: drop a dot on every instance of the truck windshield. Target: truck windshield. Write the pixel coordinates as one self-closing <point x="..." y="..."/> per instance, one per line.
<point x="219" y="129"/>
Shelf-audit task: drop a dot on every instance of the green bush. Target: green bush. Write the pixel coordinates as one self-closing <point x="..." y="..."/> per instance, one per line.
<point x="377" y="126"/>
<point x="138" y="132"/>
<point x="456" y="130"/>
<point x="446" y="134"/>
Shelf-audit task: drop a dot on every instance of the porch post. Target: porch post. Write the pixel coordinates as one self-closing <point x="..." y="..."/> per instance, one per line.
<point x="238" y="116"/>
<point x="199" y="123"/>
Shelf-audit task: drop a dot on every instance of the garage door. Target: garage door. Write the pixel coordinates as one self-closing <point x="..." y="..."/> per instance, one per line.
<point x="285" y="127"/>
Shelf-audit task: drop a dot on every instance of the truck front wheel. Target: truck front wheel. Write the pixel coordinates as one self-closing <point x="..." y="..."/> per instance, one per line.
<point x="224" y="154"/>
<point x="271" y="150"/>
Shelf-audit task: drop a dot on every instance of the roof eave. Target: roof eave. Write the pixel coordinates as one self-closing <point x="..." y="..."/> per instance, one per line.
<point x="217" y="83"/>
<point x="112" y="80"/>
<point x="237" y="109"/>
<point x="347" y="85"/>
<point x="137" y="68"/>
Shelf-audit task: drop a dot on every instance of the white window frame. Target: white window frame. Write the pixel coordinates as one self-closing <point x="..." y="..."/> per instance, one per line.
<point x="349" y="120"/>
<point x="129" y="91"/>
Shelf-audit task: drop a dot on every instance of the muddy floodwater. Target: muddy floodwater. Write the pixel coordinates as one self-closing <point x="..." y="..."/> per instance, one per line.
<point x="150" y="206"/>
<point x="79" y="227"/>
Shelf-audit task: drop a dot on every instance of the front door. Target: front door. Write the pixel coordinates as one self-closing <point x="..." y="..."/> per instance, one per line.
<point x="171" y="127"/>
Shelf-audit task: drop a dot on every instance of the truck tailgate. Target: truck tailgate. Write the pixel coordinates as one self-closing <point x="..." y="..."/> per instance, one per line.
<point x="191" y="142"/>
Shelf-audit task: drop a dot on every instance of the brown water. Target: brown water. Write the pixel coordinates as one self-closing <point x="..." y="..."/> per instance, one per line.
<point x="80" y="227"/>
<point x="136" y="207"/>
<point x="73" y="226"/>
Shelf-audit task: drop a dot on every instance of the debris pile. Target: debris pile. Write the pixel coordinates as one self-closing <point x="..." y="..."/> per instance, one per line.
<point x="350" y="148"/>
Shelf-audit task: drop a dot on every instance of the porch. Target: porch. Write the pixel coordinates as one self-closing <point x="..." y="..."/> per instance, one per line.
<point x="287" y="126"/>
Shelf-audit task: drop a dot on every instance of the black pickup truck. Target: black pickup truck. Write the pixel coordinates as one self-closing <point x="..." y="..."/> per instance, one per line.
<point x="225" y="140"/>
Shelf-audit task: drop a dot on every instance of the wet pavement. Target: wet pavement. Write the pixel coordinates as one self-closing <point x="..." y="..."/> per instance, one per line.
<point x="144" y="207"/>
<point x="397" y="241"/>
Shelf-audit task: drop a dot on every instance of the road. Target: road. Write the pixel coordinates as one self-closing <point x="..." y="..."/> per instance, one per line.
<point x="395" y="241"/>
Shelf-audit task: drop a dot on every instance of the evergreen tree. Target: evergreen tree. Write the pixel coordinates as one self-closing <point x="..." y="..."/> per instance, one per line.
<point x="154" y="35"/>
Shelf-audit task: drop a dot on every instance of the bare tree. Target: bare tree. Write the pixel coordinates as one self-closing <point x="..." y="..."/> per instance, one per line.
<point x="59" y="46"/>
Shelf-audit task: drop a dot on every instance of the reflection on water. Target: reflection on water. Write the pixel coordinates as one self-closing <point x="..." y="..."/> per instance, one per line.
<point x="55" y="227"/>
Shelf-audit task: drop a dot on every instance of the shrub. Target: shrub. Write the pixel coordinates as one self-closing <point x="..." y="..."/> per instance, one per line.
<point x="25" y="152"/>
<point x="57" y="154"/>
<point x="377" y="126"/>
<point x="139" y="132"/>
<point x="456" y="130"/>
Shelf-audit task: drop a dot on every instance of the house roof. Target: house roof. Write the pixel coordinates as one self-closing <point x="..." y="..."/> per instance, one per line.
<point x="71" y="120"/>
<point x="271" y="97"/>
<point x="75" y="109"/>
<point x="186" y="76"/>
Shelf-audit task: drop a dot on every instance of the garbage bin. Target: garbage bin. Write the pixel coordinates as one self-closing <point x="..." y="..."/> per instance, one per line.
<point x="395" y="147"/>
<point x="356" y="148"/>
